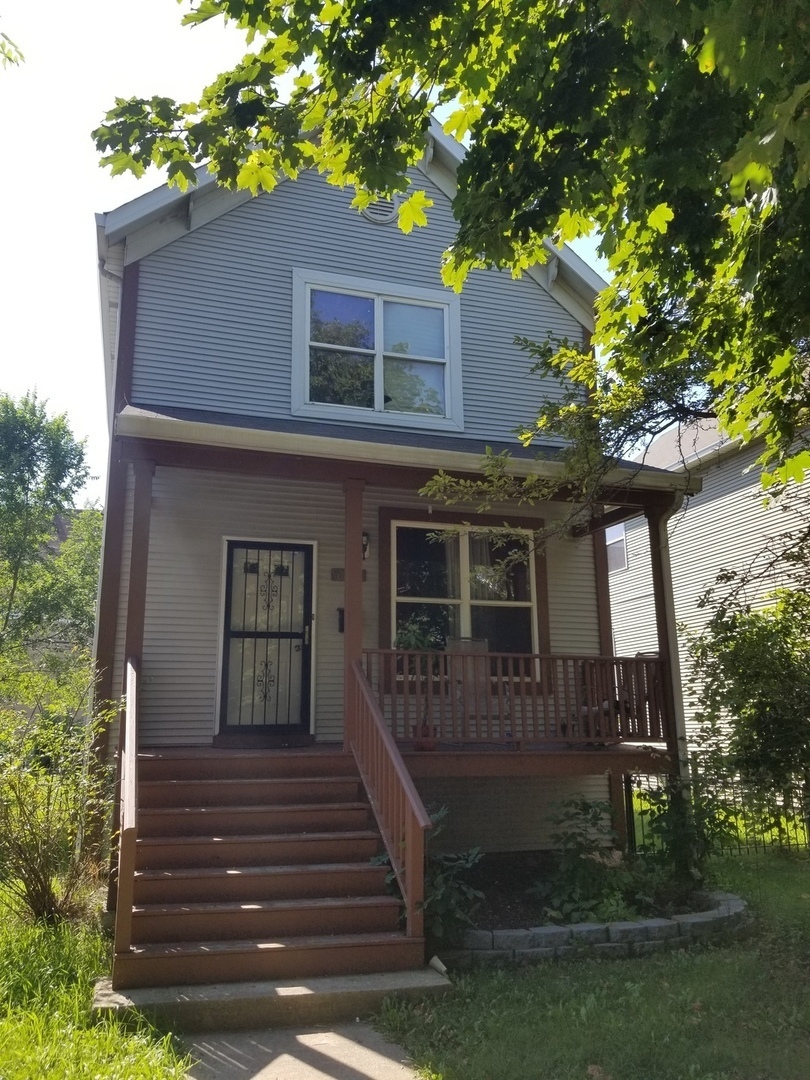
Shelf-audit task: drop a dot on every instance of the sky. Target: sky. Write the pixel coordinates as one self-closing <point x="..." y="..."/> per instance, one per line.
<point x="78" y="59"/>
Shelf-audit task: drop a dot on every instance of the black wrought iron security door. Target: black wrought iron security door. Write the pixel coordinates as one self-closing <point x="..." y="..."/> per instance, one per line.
<point x="267" y="649"/>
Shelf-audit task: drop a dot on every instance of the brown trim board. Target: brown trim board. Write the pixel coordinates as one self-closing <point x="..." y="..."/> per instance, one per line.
<point x="115" y="502"/>
<point x="270" y="463"/>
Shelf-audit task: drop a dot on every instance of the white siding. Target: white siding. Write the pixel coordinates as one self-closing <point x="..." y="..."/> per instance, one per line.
<point x="215" y="306"/>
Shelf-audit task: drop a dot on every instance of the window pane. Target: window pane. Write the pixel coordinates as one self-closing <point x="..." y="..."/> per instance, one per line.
<point x="616" y="556"/>
<point x="341" y="319"/>
<point x="427" y="567"/>
<point x="411" y="386"/>
<point x="488" y="581"/>
<point x="425" y="626"/>
<point x="413" y="329"/>
<point x="341" y="378"/>
<point x="506" y="630"/>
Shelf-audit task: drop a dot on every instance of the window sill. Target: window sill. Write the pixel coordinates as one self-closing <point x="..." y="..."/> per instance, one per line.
<point x="418" y="421"/>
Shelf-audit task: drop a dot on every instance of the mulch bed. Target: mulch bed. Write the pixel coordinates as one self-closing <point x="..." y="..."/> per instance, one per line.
<point x="503" y="878"/>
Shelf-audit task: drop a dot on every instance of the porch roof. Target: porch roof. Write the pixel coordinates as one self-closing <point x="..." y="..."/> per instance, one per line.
<point x="403" y="450"/>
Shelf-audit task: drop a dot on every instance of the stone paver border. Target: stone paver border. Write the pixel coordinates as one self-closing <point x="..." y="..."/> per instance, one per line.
<point x="638" y="938"/>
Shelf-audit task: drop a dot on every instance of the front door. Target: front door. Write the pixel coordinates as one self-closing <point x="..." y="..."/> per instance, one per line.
<point x="267" y="649"/>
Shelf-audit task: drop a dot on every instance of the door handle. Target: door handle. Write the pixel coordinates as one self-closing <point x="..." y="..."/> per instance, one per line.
<point x="306" y="634"/>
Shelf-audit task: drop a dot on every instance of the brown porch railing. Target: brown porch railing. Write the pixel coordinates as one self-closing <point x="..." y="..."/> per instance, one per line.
<point x="128" y="835"/>
<point x="398" y="809"/>
<point x="456" y="697"/>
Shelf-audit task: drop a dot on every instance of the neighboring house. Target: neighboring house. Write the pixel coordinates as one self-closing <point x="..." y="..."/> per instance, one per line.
<point x="284" y="375"/>
<point x="727" y="526"/>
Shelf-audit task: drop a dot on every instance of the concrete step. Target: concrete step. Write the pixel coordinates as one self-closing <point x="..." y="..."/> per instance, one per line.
<point x="224" y="921"/>
<point x="166" y="964"/>
<point x="241" y="820"/>
<point x="270" y="849"/>
<point x="240" y="1006"/>
<point x="201" y="884"/>
<point x="248" y="792"/>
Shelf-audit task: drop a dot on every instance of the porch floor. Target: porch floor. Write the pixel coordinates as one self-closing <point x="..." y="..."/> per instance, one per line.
<point x="477" y="759"/>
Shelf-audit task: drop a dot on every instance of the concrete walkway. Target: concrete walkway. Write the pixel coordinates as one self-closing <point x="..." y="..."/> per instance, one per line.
<point x="346" y="1052"/>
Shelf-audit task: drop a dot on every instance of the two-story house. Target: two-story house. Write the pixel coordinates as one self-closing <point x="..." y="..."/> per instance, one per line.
<point x="311" y="652"/>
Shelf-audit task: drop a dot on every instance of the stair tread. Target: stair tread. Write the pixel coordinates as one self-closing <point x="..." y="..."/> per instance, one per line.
<point x="252" y="838"/>
<point x="240" y="808"/>
<point x="258" y="945"/>
<point x="229" y="872"/>
<point x="235" y="780"/>
<point x="304" y="903"/>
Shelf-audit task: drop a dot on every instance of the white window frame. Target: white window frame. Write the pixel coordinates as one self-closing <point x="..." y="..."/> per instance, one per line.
<point x="613" y="538"/>
<point x="305" y="280"/>
<point x="464" y="602"/>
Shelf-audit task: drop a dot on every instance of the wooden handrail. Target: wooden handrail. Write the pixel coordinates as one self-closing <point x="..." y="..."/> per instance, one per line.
<point x="439" y="697"/>
<point x="128" y="811"/>
<point x="400" y="814"/>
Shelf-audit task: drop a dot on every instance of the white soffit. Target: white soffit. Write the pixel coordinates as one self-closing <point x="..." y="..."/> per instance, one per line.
<point x="139" y="423"/>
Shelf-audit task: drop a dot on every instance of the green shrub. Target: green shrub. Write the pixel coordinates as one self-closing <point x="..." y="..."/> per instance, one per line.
<point x="53" y="795"/>
<point x="590" y="880"/>
<point x="450" y="901"/>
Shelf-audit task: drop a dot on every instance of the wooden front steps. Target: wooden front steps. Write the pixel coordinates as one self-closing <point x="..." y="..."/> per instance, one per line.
<point x="254" y="865"/>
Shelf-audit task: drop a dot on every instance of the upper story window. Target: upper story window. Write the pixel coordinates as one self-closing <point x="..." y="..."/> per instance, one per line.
<point x="616" y="547"/>
<point x="375" y="352"/>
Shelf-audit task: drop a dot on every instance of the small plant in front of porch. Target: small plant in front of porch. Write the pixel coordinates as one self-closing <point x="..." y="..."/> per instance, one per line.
<point x="587" y="878"/>
<point x="591" y="880"/>
<point x="450" y="901"/>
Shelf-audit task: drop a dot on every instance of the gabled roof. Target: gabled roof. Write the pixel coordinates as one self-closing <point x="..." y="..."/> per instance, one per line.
<point x="158" y="217"/>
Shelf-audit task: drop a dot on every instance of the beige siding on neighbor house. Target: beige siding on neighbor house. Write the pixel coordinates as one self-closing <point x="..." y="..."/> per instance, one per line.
<point x="631" y="595"/>
<point x="193" y="511"/>
<point x="724" y="527"/>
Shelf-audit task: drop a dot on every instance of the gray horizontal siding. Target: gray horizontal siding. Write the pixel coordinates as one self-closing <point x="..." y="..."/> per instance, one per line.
<point x="504" y="814"/>
<point x="215" y="307"/>
<point x="191" y="514"/>
<point x="192" y="511"/>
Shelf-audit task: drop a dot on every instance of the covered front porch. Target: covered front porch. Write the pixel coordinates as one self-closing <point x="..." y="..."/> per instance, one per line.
<point x="409" y="719"/>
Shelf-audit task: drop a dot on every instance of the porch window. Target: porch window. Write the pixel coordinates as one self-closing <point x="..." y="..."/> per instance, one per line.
<point x="375" y="353"/>
<point x="616" y="545"/>
<point x="447" y="583"/>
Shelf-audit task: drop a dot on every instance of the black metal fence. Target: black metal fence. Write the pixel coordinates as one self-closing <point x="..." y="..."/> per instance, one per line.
<point x="733" y="815"/>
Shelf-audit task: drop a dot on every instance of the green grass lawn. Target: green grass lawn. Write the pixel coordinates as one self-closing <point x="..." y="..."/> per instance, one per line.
<point x="737" y="1012"/>
<point x="46" y="983"/>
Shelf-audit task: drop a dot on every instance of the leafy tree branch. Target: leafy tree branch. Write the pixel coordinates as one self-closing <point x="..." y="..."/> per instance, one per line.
<point x="681" y="132"/>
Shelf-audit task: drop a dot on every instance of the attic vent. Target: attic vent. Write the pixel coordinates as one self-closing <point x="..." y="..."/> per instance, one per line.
<point x="381" y="211"/>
